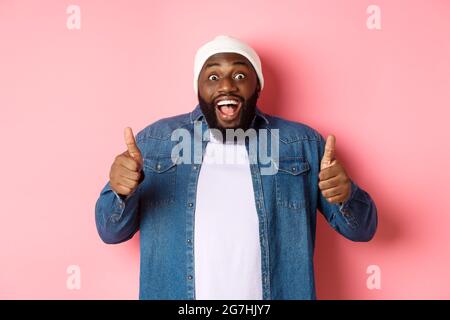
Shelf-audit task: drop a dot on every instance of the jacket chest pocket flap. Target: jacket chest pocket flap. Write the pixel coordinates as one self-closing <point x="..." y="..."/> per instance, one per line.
<point x="161" y="174"/>
<point x="291" y="182"/>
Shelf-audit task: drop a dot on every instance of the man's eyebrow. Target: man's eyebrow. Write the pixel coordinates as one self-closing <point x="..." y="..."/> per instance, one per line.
<point x="215" y="64"/>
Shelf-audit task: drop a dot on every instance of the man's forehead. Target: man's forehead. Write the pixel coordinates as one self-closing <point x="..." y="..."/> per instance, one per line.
<point x="223" y="58"/>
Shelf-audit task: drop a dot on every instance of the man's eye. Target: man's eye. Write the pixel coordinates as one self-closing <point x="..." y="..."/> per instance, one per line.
<point x="239" y="76"/>
<point x="213" y="77"/>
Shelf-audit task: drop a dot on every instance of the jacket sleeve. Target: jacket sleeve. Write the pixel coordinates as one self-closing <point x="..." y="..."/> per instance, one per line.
<point x="117" y="218"/>
<point x="356" y="219"/>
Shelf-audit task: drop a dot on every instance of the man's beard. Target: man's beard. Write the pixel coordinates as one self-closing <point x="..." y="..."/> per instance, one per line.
<point x="246" y="115"/>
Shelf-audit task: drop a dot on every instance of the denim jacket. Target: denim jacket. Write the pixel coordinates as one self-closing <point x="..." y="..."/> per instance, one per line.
<point x="163" y="209"/>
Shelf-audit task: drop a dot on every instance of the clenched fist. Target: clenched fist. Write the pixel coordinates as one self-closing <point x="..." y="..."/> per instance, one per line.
<point x="125" y="173"/>
<point x="333" y="180"/>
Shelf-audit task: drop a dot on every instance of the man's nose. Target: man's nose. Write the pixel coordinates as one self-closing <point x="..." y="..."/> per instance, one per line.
<point x="227" y="85"/>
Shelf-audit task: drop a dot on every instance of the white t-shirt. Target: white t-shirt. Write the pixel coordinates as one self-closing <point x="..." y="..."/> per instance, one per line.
<point x="226" y="244"/>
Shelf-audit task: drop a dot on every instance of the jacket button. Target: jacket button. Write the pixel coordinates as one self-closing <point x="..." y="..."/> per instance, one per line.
<point x="194" y="167"/>
<point x="158" y="166"/>
<point x="190" y="204"/>
<point x="189" y="277"/>
<point x="188" y="240"/>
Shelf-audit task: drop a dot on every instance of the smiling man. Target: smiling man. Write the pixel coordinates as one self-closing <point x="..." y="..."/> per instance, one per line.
<point x="221" y="229"/>
<point x="230" y="102"/>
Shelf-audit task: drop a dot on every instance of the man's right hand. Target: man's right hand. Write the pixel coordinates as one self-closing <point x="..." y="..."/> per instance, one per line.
<point x="126" y="169"/>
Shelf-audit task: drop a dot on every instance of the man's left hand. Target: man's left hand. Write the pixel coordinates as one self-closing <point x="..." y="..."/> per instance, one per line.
<point x="334" y="182"/>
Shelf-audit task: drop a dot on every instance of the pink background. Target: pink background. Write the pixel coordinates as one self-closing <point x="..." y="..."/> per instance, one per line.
<point x="66" y="95"/>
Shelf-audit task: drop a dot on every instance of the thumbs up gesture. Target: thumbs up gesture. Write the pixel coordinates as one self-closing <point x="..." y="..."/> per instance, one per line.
<point x="334" y="182"/>
<point x="126" y="169"/>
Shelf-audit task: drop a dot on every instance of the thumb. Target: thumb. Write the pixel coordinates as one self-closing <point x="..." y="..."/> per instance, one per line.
<point x="133" y="149"/>
<point x="330" y="148"/>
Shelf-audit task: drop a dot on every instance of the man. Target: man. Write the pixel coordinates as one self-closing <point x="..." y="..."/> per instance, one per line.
<point x="215" y="229"/>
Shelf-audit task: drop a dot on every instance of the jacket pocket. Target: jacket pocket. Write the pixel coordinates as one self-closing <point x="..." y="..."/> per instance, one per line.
<point x="160" y="188"/>
<point x="291" y="182"/>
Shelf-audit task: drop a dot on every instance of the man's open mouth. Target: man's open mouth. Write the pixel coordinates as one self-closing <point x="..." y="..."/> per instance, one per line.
<point x="228" y="108"/>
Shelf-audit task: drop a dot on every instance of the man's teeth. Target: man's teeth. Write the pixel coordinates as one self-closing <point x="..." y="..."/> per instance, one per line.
<point x="225" y="102"/>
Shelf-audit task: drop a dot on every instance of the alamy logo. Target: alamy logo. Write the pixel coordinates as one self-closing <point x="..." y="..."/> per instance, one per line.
<point x="74" y="19"/>
<point x="374" y="278"/>
<point x="73" y="281"/>
<point x="373" y="21"/>
<point x="258" y="146"/>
